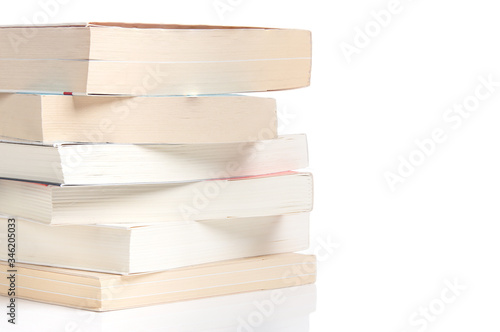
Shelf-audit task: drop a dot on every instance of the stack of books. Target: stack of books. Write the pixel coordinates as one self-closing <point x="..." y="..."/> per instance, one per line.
<point x="130" y="176"/>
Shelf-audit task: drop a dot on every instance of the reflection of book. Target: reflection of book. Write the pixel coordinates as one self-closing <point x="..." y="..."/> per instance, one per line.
<point x="217" y="314"/>
<point x="104" y="292"/>
<point x="78" y="164"/>
<point x="138" y="120"/>
<point x="123" y="249"/>
<point x="258" y="196"/>
<point x="153" y="59"/>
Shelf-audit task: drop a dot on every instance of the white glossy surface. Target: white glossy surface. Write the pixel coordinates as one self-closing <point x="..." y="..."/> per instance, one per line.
<point x="245" y="312"/>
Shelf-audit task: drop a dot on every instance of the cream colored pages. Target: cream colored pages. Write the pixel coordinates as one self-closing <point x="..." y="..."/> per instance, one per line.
<point x="78" y="289"/>
<point x="73" y="164"/>
<point x="139" y="120"/>
<point x="132" y="249"/>
<point x="258" y="196"/>
<point x="97" y="59"/>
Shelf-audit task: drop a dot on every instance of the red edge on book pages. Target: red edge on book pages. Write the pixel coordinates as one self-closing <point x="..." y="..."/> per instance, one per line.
<point x="40" y="184"/>
<point x="263" y="176"/>
<point x="229" y="179"/>
<point x="68" y="93"/>
<point x="30" y="182"/>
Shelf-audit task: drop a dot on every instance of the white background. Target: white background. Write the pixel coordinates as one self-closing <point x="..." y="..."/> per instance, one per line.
<point x="397" y="248"/>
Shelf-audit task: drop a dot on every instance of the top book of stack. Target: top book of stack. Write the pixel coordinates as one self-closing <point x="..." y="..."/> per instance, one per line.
<point x="152" y="59"/>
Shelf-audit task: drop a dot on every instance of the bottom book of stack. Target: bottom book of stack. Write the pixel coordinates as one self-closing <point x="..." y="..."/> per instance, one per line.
<point x="103" y="291"/>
